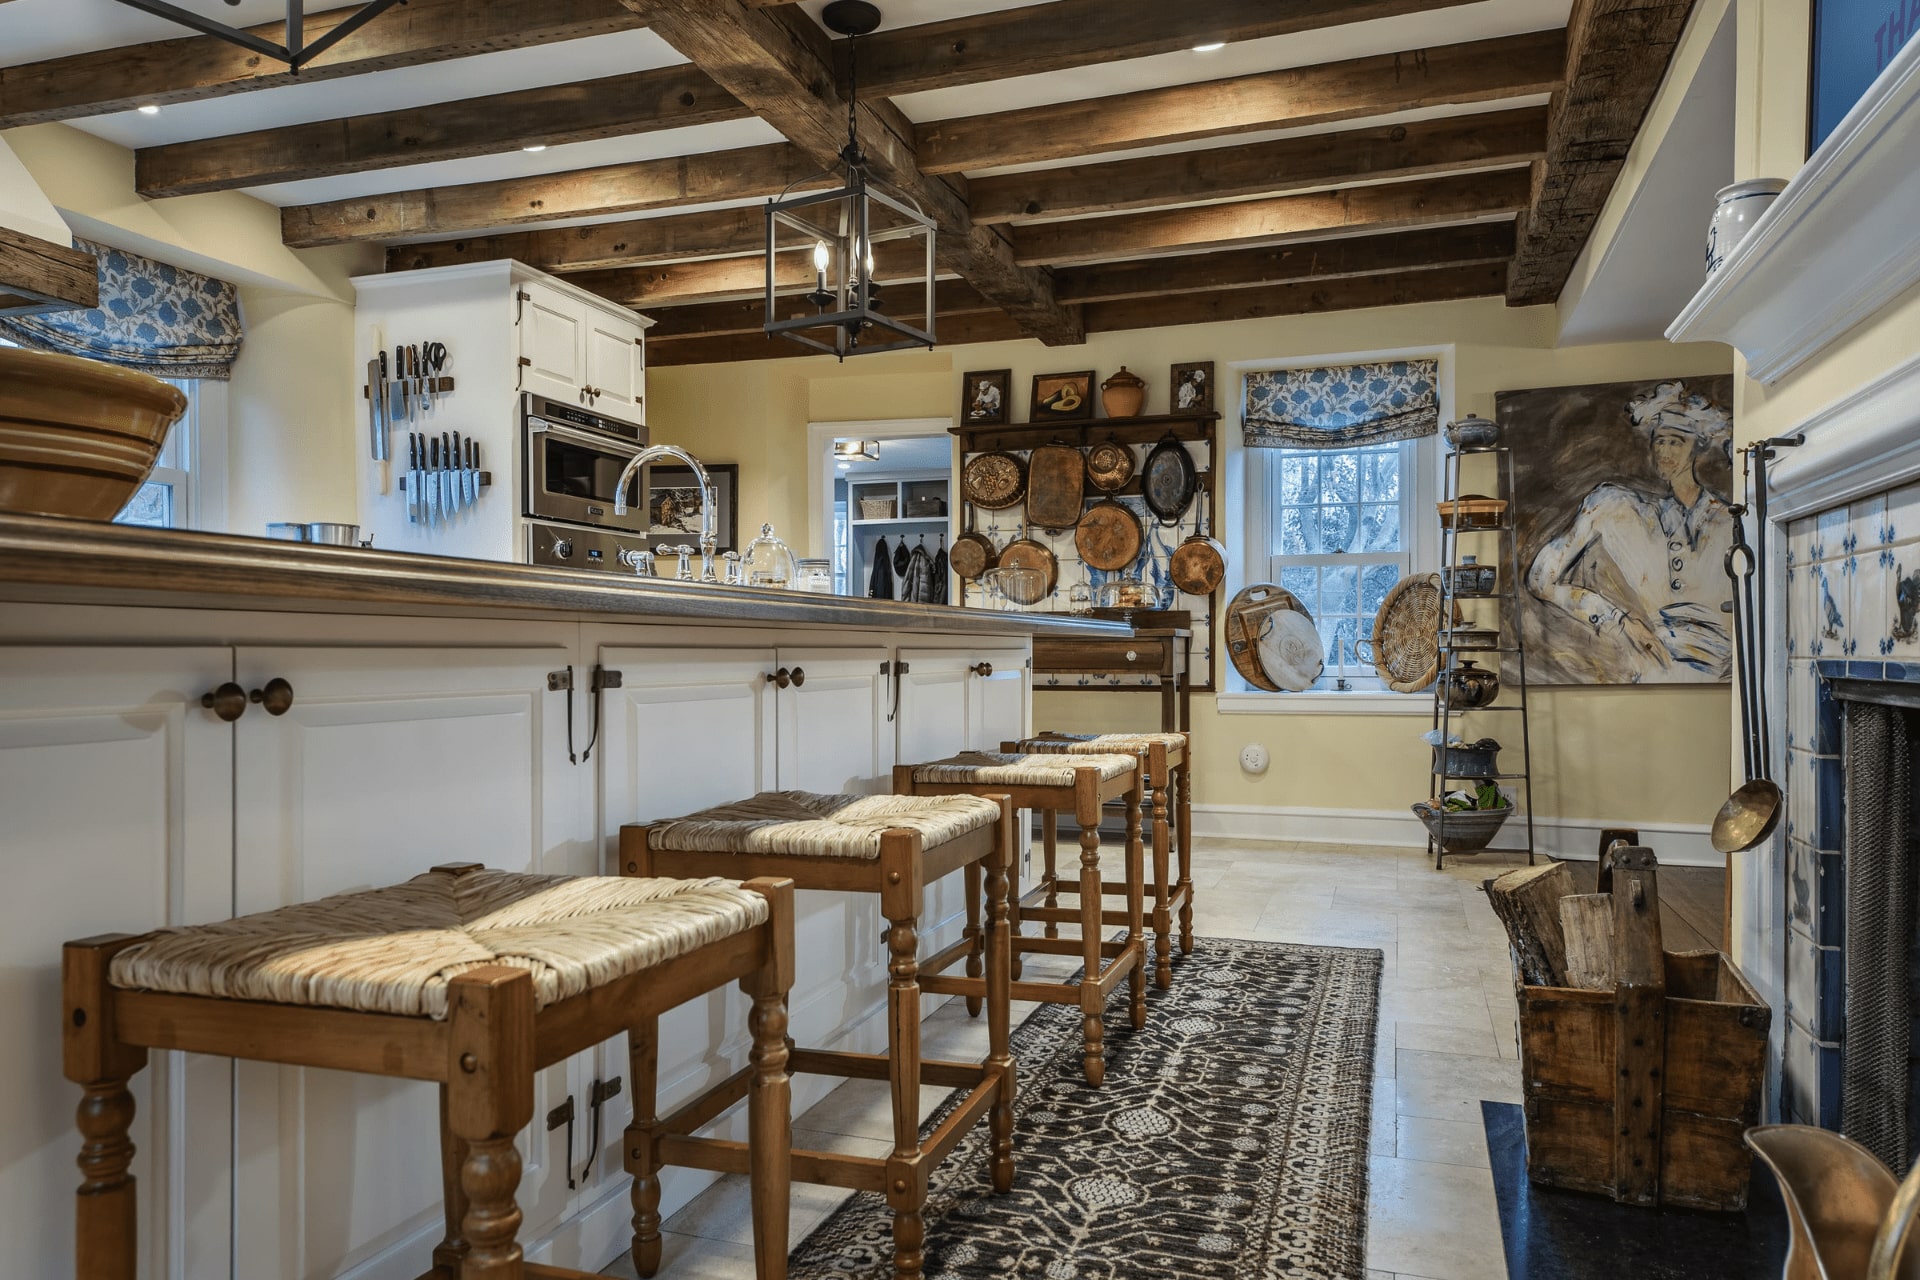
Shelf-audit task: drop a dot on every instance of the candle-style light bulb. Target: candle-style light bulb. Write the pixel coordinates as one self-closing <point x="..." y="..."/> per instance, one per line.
<point x="820" y="259"/>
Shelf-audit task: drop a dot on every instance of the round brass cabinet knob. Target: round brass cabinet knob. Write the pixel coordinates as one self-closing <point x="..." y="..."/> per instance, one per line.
<point x="277" y="697"/>
<point x="982" y="668"/>
<point x="229" y="701"/>
<point x="781" y="678"/>
<point x="799" y="676"/>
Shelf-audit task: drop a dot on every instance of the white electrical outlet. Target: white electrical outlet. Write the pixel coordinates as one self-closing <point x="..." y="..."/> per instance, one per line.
<point x="1253" y="758"/>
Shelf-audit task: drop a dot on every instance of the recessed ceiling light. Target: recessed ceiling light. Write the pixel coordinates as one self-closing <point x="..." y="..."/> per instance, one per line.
<point x="148" y="108"/>
<point x="845" y="466"/>
<point x="1215" y="47"/>
<point x="538" y="146"/>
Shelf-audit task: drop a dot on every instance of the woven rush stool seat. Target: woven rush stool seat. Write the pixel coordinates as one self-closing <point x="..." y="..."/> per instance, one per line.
<point x="469" y="977"/>
<point x="1081" y="784"/>
<point x="892" y="847"/>
<point x="1167" y="760"/>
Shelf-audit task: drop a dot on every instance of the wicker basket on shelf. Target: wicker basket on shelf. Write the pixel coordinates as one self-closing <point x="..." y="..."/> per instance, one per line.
<point x="878" y="508"/>
<point x="1406" y="648"/>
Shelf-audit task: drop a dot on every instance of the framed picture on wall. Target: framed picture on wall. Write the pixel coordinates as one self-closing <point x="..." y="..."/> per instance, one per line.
<point x="1061" y="397"/>
<point x="1853" y="42"/>
<point x="983" y="397"/>
<point x="1192" y="388"/>
<point x="674" y="503"/>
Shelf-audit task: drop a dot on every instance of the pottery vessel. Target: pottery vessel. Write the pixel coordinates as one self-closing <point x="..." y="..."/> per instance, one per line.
<point x="1472" y="432"/>
<point x="1123" y="394"/>
<point x="1735" y="211"/>
<point x="78" y="437"/>
<point x="1470" y="686"/>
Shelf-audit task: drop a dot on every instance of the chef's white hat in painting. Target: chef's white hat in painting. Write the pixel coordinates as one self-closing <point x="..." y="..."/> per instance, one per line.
<point x="1672" y="407"/>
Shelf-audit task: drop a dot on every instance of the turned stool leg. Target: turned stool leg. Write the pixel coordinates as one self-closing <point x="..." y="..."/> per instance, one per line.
<point x="770" y="1093"/>
<point x="453" y="1157"/>
<point x="1183" y="798"/>
<point x="489" y="1100"/>
<point x="1093" y="1061"/>
<point x="1050" y="847"/>
<point x="999" y="996"/>
<point x="976" y="954"/>
<point x="1137" y="977"/>
<point x="642" y="1150"/>
<point x="901" y="900"/>
<point x="1163" y="888"/>
<point x="106" y="1239"/>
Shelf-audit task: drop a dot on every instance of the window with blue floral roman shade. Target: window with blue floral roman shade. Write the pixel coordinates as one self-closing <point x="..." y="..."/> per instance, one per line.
<point x="154" y="317"/>
<point x="1342" y="406"/>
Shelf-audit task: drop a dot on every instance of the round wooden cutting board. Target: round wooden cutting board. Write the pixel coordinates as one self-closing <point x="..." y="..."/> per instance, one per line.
<point x="1271" y="639"/>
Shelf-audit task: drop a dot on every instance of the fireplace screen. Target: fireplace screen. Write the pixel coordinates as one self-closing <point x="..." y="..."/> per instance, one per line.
<point x="1877" y="1071"/>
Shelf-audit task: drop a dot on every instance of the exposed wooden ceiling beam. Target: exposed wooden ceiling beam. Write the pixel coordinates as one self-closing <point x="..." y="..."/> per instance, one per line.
<point x="715" y="319"/>
<point x="1617" y="55"/>
<point x="672" y="283"/>
<point x="1072" y="33"/>
<point x="1477" y="71"/>
<point x="1312" y="260"/>
<point x="1483" y="141"/>
<point x="1387" y="207"/>
<point x="606" y="191"/>
<point x="1443" y="284"/>
<point x="779" y="62"/>
<point x="957" y="330"/>
<point x="714" y="233"/>
<point x="39" y="276"/>
<point x="615" y="106"/>
<point x="194" y="67"/>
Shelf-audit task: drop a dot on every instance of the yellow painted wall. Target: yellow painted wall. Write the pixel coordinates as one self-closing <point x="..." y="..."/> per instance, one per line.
<point x="292" y="412"/>
<point x="1646" y="755"/>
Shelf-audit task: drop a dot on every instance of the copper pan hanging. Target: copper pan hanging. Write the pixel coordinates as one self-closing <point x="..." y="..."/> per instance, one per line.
<point x="1168" y="480"/>
<point x="994" y="481"/>
<point x="1110" y="465"/>
<point x="1109" y="536"/>
<point x="972" y="554"/>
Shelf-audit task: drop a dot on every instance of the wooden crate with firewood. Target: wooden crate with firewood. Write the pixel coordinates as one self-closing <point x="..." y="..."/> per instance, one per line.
<point x="1641" y="1067"/>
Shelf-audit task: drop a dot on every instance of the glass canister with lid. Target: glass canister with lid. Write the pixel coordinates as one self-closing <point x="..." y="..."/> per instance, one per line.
<point x="815" y="575"/>
<point x="769" y="562"/>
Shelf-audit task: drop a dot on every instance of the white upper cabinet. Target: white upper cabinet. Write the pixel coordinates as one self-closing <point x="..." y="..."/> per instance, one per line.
<point x="553" y="342"/>
<point x="616" y="361"/>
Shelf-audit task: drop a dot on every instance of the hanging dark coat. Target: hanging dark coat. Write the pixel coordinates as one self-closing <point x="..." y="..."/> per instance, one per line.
<point x="880" y="581"/>
<point x="916" y="584"/>
<point x="941" y="572"/>
<point x="900" y="557"/>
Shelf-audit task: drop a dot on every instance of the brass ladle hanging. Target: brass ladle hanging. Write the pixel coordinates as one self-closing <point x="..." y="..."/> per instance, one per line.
<point x="1753" y="810"/>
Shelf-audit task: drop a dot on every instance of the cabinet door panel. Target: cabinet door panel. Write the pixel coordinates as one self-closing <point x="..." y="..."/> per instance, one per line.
<point x="834" y="730"/>
<point x="615" y="368"/>
<point x="552" y="331"/>
<point x="935" y="695"/>
<point x="999" y="701"/>
<point x="117" y="791"/>
<point x="389" y="762"/>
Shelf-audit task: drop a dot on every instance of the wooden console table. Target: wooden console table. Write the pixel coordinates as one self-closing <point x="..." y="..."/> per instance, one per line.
<point x="1153" y="651"/>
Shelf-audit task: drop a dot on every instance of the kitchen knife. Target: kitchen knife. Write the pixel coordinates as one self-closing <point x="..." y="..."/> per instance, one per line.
<point x="459" y="475"/>
<point x="412" y="481"/>
<point x="397" y="402"/>
<point x="373" y="406"/>
<point x="473" y="471"/>
<point x="446" y="473"/>
<point x="433" y="479"/>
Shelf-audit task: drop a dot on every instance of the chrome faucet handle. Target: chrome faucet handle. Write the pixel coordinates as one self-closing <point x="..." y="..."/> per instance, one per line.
<point x="641" y="562"/>
<point x="685" y="552"/>
<point x="707" y="547"/>
<point x="735" y="573"/>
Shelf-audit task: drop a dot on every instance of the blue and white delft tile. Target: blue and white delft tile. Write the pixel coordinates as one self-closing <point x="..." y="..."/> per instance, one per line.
<point x="1830" y="899"/>
<point x="1803" y="883"/>
<point x="1801" y="795"/>
<point x="1830" y="534"/>
<point x="1902" y="515"/>
<point x="1826" y="617"/>
<point x="1801" y="684"/>
<point x="1901" y="602"/>
<point x="1800" y="537"/>
<point x="1829" y="804"/>
<point x="1800" y="1079"/>
<point x="1866" y="521"/>
<point x="1869" y="586"/>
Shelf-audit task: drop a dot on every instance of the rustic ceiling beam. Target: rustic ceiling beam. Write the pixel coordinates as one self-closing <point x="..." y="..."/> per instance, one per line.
<point x="713" y="233"/>
<point x="1312" y="260"/>
<point x="1386" y="207"/>
<point x="606" y="191"/>
<point x="669" y="284"/>
<point x="191" y="68"/>
<point x="1444" y="284"/>
<point x="40" y="276"/>
<point x="1445" y="75"/>
<point x="1617" y="55"/>
<point x="612" y="107"/>
<point x="1487" y="141"/>
<point x="1062" y="34"/>
<point x="779" y="62"/>
<point x="715" y="319"/>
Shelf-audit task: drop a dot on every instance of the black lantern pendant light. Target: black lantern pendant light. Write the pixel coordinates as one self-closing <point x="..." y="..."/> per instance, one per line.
<point x="828" y="250"/>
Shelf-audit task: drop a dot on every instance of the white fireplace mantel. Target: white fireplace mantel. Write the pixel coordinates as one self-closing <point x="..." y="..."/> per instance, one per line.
<point x="1839" y="244"/>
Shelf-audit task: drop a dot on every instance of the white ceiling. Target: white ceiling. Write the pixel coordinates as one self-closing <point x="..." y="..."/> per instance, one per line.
<point x="1656" y="260"/>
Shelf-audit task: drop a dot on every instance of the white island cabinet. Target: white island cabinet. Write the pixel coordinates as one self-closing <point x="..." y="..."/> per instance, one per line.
<point x="407" y="711"/>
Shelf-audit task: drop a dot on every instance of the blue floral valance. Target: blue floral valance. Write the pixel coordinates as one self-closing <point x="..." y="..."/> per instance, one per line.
<point x="157" y="318"/>
<point x="1341" y="407"/>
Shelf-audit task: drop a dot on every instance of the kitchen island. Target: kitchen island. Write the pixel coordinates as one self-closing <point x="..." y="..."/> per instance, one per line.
<point x="195" y="726"/>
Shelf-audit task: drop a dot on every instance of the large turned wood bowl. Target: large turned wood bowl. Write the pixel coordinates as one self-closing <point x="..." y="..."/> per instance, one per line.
<point x="77" y="437"/>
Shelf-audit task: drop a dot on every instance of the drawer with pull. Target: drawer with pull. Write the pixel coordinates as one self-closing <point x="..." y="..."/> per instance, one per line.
<point x="1103" y="657"/>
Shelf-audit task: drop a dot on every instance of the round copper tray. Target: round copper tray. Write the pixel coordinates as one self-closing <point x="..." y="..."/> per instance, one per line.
<point x="995" y="481"/>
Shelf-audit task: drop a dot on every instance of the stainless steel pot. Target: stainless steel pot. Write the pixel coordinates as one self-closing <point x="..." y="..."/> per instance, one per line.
<point x="336" y="535"/>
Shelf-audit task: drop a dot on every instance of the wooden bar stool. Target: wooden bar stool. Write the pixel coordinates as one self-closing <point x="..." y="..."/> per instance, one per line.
<point x="1167" y="760"/>
<point x="893" y="847"/>
<point x="1081" y="784"/>
<point x="471" y="978"/>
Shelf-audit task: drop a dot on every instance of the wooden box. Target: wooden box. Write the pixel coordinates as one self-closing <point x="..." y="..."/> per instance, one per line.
<point x="1712" y="1053"/>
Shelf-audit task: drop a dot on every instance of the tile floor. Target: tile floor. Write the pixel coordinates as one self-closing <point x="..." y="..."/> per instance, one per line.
<point x="1446" y="1041"/>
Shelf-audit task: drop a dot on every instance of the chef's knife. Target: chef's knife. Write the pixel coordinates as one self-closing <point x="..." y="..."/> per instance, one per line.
<point x="412" y="480"/>
<point x="446" y="473"/>
<point x="433" y="479"/>
<point x="473" y="471"/>
<point x="458" y="476"/>
<point x="397" y="402"/>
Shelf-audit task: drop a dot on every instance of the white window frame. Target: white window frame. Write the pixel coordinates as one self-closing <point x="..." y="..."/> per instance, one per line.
<point x="1259" y="473"/>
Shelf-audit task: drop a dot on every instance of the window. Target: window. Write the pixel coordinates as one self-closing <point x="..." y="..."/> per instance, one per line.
<point x="165" y="501"/>
<point x="1341" y="532"/>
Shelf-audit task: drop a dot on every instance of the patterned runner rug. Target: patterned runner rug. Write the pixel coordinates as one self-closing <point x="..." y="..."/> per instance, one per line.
<point x="1228" y="1143"/>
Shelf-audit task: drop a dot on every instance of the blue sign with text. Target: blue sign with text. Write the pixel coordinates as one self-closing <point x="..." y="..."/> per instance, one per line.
<point x="1853" y="41"/>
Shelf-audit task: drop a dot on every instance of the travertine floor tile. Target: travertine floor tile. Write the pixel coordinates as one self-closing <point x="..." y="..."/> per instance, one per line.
<point x="1450" y="1086"/>
<point x="1441" y="1141"/>
<point x="1440" y="1218"/>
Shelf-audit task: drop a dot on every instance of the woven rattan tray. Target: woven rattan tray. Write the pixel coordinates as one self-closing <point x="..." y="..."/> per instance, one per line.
<point x="1406" y="645"/>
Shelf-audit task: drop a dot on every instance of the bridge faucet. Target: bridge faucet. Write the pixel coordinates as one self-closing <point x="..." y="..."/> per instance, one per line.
<point x="653" y="453"/>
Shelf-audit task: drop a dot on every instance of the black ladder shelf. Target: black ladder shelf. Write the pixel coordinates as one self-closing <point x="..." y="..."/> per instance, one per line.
<point x="1513" y="694"/>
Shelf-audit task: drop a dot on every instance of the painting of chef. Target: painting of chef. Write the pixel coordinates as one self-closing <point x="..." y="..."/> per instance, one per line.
<point x="1620" y="511"/>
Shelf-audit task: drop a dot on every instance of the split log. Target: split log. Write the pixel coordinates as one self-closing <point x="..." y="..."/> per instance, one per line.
<point x="1528" y="904"/>
<point x="1586" y="924"/>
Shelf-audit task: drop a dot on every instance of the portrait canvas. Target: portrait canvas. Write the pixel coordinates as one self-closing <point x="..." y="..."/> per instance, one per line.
<point x="1620" y="507"/>
<point x="1192" y="388"/>
<point x="674" y="502"/>
<point x="983" y="398"/>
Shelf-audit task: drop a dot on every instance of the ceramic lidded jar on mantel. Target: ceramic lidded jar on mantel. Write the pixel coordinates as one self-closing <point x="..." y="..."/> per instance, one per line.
<point x="1736" y="209"/>
<point x="1123" y="394"/>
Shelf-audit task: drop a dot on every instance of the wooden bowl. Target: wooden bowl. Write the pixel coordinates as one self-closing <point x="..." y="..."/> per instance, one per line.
<point x="78" y="437"/>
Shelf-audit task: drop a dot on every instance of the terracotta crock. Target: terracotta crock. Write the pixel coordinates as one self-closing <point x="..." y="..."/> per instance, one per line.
<point x="77" y="437"/>
<point x="1123" y="394"/>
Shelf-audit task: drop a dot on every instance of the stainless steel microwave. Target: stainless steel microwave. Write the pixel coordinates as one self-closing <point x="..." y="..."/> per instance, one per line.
<point x="574" y="458"/>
